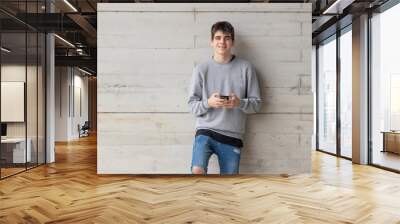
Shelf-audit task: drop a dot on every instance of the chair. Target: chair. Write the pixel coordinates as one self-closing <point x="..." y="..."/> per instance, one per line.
<point x="84" y="130"/>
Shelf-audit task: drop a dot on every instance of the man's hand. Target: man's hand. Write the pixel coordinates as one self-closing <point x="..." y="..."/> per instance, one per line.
<point x="215" y="102"/>
<point x="234" y="101"/>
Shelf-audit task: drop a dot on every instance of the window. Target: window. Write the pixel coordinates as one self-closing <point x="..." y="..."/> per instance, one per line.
<point x="385" y="89"/>
<point x="327" y="96"/>
<point x="346" y="93"/>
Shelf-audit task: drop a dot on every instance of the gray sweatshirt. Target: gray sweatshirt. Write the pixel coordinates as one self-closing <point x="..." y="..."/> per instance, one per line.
<point x="237" y="76"/>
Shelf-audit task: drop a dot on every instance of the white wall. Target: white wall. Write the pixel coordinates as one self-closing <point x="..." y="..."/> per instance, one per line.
<point x="33" y="127"/>
<point x="18" y="73"/>
<point x="15" y="73"/>
<point x="146" y="53"/>
<point x="69" y="82"/>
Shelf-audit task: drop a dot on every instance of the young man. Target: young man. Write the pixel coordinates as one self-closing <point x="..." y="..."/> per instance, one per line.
<point x="223" y="90"/>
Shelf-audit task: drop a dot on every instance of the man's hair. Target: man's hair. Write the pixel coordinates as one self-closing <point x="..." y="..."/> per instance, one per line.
<point x="223" y="26"/>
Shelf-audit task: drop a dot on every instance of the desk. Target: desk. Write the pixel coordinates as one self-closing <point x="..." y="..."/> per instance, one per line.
<point x="16" y="147"/>
<point x="391" y="141"/>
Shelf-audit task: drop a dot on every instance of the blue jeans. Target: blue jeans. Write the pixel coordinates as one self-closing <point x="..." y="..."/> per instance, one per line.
<point x="228" y="156"/>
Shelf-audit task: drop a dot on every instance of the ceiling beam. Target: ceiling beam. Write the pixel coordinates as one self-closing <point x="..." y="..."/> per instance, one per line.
<point x="85" y="61"/>
<point x="337" y="7"/>
<point x="84" y="24"/>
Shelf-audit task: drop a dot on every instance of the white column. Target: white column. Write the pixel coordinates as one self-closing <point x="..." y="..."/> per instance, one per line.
<point x="360" y="90"/>
<point x="50" y="93"/>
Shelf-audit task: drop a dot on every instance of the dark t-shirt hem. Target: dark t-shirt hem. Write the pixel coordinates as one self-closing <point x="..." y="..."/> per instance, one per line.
<point x="220" y="137"/>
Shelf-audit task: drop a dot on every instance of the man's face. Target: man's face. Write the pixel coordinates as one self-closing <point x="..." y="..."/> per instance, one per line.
<point x="222" y="43"/>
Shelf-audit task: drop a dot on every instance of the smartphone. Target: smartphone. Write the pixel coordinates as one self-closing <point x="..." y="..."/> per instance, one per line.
<point x="224" y="97"/>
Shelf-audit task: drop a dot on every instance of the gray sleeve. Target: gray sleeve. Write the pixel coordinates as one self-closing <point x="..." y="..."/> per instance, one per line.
<point x="197" y="105"/>
<point x="251" y="104"/>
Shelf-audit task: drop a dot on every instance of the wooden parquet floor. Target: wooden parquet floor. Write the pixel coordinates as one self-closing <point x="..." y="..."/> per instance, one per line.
<point x="70" y="191"/>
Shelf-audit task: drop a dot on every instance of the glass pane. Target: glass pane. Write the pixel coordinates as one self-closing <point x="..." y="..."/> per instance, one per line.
<point x="41" y="98"/>
<point x="346" y="94"/>
<point x="31" y="100"/>
<point x="386" y="89"/>
<point x="13" y="87"/>
<point x="327" y="97"/>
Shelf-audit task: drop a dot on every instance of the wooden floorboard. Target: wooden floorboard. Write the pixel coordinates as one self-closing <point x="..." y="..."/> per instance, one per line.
<point x="70" y="191"/>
